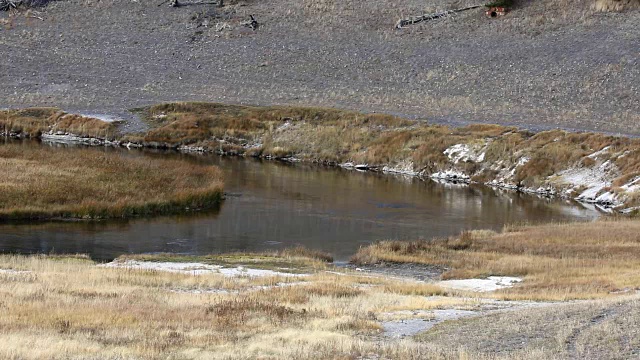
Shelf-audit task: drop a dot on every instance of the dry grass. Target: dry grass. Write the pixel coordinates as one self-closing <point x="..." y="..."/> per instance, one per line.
<point x="615" y="5"/>
<point x="41" y="183"/>
<point x="336" y="136"/>
<point x="33" y="122"/>
<point x="558" y="261"/>
<point x="331" y="136"/>
<point x="68" y="308"/>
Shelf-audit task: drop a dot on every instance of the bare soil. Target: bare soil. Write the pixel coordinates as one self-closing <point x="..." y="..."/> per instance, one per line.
<point x="545" y="64"/>
<point x="588" y="330"/>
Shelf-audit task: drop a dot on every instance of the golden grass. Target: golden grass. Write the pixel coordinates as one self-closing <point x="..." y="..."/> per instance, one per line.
<point x="60" y="308"/>
<point x="557" y="261"/>
<point x="336" y="136"/>
<point x="330" y="136"/>
<point x="41" y="183"/>
<point x="33" y="122"/>
<point x="615" y="5"/>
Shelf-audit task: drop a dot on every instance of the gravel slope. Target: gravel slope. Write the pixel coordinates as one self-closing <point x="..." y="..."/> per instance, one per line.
<point x="546" y="64"/>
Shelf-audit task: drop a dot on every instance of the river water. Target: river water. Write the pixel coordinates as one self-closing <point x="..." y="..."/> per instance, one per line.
<point x="271" y="205"/>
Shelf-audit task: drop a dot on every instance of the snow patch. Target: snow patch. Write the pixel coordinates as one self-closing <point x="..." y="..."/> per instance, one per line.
<point x="491" y="283"/>
<point x="451" y="175"/>
<point x="61" y="137"/>
<point x="196" y="268"/>
<point x="104" y="117"/>
<point x="464" y="153"/>
<point x="405" y="168"/>
<point x="595" y="155"/>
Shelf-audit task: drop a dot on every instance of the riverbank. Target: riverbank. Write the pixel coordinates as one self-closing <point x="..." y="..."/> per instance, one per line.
<point x="40" y="183"/>
<point x="588" y="167"/>
<point x="553" y="262"/>
<point x="279" y="305"/>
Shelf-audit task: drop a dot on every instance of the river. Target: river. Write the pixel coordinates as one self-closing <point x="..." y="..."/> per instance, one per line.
<point x="271" y="205"/>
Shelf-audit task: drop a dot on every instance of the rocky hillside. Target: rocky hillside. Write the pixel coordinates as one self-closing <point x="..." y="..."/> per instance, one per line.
<point x="545" y="64"/>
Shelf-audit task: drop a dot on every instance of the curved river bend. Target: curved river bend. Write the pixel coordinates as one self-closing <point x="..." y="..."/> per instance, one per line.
<point x="271" y="205"/>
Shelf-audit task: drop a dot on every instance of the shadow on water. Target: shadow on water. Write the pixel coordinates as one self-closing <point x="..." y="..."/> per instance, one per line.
<point x="271" y="205"/>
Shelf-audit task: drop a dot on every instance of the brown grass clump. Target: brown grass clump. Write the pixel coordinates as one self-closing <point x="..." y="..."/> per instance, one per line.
<point x="301" y="251"/>
<point x="41" y="183"/>
<point x="188" y="123"/>
<point x="615" y="5"/>
<point x="558" y="262"/>
<point x="32" y="122"/>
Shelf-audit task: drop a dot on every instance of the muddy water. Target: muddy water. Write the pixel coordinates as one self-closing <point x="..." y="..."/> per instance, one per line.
<point x="271" y="205"/>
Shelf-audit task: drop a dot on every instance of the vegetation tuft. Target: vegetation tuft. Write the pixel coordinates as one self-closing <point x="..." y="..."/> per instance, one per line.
<point x="33" y="122"/>
<point x="557" y="261"/>
<point x="41" y="183"/>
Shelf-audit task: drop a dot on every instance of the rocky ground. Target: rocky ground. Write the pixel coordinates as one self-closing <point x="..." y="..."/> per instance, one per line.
<point x="546" y="64"/>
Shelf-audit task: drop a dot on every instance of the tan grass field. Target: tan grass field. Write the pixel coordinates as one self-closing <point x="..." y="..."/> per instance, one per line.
<point x="66" y="307"/>
<point x="61" y="307"/>
<point x="557" y="261"/>
<point x="45" y="183"/>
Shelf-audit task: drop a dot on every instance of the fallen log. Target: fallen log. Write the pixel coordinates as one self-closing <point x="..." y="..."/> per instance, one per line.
<point x="6" y="5"/>
<point x="417" y="19"/>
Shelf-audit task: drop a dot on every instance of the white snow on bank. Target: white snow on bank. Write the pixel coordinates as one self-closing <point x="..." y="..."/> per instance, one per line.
<point x="196" y="268"/>
<point x="103" y="117"/>
<point x="491" y="283"/>
<point x="61" y="137"/>
<point x="451" y="175"/>
<point x="593" y="182"/>
<point x="632" y="186"/>
<point x="352" y="166"/>
<point x="596" y="154"/>
<point x="405" y="168"/>
<point x="464" y="153"/>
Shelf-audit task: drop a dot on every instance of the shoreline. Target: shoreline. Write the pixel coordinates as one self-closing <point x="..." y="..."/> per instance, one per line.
<point x="455" y="155"/>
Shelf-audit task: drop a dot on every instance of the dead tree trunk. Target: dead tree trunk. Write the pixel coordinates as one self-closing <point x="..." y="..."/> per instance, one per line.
<point x="416" y="19"/>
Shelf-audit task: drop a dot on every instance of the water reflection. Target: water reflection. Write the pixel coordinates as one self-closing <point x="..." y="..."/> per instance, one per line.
<point x="273" y="205"/>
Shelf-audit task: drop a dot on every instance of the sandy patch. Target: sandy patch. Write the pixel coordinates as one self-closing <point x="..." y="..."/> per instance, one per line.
<point x="195" y="268"/>
<point x="421" y="321"/>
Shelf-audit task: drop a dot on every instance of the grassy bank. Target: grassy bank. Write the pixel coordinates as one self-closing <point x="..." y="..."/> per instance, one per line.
<point x="560" y="161"/>
<point x="557" y="261"/>
<point x="45" y="183"/>
<point x="33" y="122"/>
<point x="593" y="167"/>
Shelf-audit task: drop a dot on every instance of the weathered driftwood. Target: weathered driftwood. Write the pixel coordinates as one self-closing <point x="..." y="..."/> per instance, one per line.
<point x="417" y="19"/>
<point x="6" y="5"/>
<point x="175" y="3"/>
<point x="252" y="23"/>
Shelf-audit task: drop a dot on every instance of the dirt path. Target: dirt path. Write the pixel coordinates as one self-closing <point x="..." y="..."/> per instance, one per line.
<point x="607" y="313"/>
